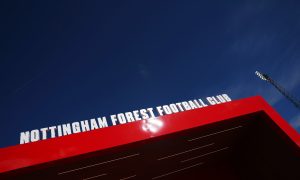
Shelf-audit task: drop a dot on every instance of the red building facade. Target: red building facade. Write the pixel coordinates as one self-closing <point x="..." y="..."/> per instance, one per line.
<point x="242" y="139"/>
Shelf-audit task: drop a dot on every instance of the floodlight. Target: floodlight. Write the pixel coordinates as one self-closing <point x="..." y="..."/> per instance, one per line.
<point x="261" y="76"/>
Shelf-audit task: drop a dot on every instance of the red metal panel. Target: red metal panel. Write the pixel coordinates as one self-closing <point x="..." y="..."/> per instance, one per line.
<point x="21" y="156"/>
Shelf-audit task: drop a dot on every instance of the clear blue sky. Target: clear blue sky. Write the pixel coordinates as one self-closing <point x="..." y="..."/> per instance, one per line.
<point x="68" y="61"/>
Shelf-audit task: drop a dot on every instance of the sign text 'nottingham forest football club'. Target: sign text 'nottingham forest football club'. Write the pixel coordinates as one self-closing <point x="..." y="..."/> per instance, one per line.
<point x="120" y="118"/>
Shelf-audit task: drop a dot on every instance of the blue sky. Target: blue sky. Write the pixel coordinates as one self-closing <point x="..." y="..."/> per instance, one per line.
<point x="74" y="60"/>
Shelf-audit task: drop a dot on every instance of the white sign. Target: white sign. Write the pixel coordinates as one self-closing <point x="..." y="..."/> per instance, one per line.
<point x="121" y="118"/>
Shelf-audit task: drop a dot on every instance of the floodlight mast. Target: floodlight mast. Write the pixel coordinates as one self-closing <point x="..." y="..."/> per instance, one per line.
<point x="285" y="93"/>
